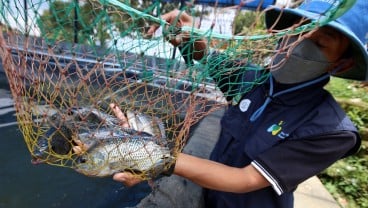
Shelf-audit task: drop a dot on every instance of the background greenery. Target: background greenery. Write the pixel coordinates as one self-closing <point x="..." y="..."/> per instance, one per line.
<point x="347" y="180"/>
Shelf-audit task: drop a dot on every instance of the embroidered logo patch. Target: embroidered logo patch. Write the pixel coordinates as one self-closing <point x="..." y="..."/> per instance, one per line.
<point x="276" y="129"/>
<point x="244" y="105"/>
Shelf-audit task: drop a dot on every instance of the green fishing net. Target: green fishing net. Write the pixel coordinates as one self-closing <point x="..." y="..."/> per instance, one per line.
<point x="67" y="61"/>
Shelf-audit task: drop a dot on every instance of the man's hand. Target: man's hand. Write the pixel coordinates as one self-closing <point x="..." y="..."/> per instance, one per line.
<point x="80" y="147"/>
<point x="175" y="18"/>
<point x="120" y="115"/>
<point x="126" y="178"/>
<point x="129" y="179"/>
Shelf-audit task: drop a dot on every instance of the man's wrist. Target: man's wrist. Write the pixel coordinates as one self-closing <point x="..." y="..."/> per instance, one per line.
<point x="170" y="167"/>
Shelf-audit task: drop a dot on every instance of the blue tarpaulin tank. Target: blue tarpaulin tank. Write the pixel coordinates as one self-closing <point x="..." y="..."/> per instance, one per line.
<point x="245" y="4"/>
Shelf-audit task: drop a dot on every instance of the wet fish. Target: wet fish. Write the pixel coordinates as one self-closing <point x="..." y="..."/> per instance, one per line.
<point x="54" y="143"/>
<point x="63" y="128"/>
<point x="141" y="122"/>
<point x="57" y="141"/>
<point x="93" y="117"/>
<point x="121" y="149"/>
<point x="137" y="120"/>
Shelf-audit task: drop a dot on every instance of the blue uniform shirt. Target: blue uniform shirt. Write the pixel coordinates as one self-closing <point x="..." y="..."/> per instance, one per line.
<point x="303" y="113"/>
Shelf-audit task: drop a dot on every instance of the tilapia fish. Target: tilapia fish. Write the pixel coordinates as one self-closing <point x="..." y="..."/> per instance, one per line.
<point x="51" y="146"/>
<point x="141" y="122"/>
<point x="57" y="141"/>
<point x="120" y="149"/>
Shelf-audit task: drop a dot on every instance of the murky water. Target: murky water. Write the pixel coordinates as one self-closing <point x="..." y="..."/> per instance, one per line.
<point x="25" y="185"/>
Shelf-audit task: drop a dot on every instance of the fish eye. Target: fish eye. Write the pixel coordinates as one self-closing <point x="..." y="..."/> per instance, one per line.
<point x="82" y="160"/>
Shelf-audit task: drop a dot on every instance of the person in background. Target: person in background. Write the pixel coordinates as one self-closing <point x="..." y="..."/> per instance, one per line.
<point x="288" y="129"/>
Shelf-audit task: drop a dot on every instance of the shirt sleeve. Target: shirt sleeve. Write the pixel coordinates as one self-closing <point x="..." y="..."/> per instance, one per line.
<point x="291" y="162"/>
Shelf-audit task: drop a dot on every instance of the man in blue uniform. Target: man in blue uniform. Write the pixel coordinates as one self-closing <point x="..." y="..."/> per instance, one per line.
<point x="289" y="128"/>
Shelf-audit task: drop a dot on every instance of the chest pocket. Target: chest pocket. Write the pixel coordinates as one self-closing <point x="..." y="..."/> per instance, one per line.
<point x="244" y="140"/>
<point x="237" y="134"/>
<point x="241" y="140"/>
<point x="277" y="125"/>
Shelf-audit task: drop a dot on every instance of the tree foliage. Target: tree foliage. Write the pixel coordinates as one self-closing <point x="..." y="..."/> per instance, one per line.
<point x="247" y="21"/>
<point x="77" y="21"/>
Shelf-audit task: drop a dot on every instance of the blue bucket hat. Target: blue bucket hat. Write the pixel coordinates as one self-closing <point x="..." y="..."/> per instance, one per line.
<point x="353" y="24"/>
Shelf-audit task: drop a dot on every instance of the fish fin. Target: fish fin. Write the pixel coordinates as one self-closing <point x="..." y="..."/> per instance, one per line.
<point x="144" y="134"/>
<point x="161" y="128"/>
<point x="132" y="120"/>
<point x="144" y="123"/>
<point x="116" y="166"/>
<point x="133" y="132"/>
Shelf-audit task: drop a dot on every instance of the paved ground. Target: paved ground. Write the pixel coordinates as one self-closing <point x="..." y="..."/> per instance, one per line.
<point x="312" y="194"/>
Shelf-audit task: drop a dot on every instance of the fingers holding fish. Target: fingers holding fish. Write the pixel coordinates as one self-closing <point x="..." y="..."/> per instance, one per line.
<point x="139" y="121"/>
<point x="79" y="147"/>
<point x="124" y="150"/>
<point x="98" y="144"/>
<point x="120" y="115"/>
<point x="128" y="179"/>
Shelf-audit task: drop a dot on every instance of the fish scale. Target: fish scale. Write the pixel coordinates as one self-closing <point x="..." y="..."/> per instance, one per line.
<point x="120" y="150"/>
<point x="56" y="142"/>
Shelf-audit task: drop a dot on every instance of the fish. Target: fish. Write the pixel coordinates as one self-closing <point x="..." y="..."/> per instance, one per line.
<point x="64" y="127"/>
<point x="57" y="141"/>
<point x="93" y="117"/>
<point x="122" y="149"/>
<point x="136" y="120"/>
<point x="54" y="143"/>
<point x="141" y="122"/>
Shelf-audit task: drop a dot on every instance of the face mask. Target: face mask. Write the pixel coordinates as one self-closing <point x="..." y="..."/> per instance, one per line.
<point x="305" y="62"/>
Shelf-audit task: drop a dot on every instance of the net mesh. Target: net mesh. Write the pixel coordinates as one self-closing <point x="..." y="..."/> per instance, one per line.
<point x="68" y="61"/>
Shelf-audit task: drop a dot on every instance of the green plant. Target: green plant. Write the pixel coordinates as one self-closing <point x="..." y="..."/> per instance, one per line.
<point x="343" y="89"/>
<point x="347" y="179"/>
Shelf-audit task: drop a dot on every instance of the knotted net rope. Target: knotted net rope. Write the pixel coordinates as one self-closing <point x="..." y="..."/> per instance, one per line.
<point x="67" y="61"/>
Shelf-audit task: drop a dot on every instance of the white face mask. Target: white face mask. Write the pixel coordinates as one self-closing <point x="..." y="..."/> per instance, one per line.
<point x="305" y="62"/>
